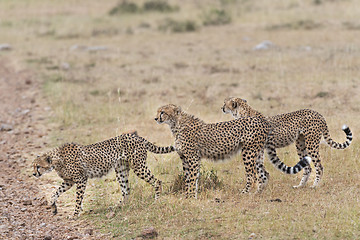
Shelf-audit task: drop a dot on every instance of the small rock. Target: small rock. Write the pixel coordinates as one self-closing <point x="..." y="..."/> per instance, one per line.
<point x="110" y="215"/>
<point x="96" y="48"/>
<point x="27" y="202"/>
<point x="149" y="233"/>
<point x="77" y="47"/>
<point x="42" y="224"/>
<point x="47" y="237"/>
<point x="5" y="47"/>
<point x="263" y="45"/>
<point x="44" y="202"/>
<point x="6" y="127"/>
<point x="26" y="111"/>
<point x="252" y="236"/>
<point x="276" y="200"/>
<point x="89" y="231"/>
<point x="23" y="209"/>
<point x="65" y="66"/>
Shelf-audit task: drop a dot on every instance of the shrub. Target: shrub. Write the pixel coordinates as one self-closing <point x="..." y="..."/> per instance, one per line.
<point x="124" y="7"/>
<point x="207" y="180"/>
<point x="297" y="25"/>
<point x="149" y="6"/>
<point x="178" y="26"/>
<point x="216" y="17"/>
<point x="159" y="6"/>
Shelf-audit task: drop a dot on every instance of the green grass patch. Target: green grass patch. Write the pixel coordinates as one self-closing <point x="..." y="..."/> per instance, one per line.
<point x="177" y="26"/>
<point x="216" y="17"/>
<point x="126" y="7"/>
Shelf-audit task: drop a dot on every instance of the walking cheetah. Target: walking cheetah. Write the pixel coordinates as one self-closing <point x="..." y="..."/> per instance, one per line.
<point x="305" y="127"/>
<point x="76" y="163"/>
<point x="195" y="139"/>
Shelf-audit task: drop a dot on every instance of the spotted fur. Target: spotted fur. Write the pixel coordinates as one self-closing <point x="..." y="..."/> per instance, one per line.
<point x="304" y="127"/>
<point x="195" y="139"/>
<point x="76" y="163"/>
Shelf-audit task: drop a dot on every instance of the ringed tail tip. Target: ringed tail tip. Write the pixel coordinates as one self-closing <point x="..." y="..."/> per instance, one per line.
<point x="308" y="159"/>
<point x="345" y="127"/>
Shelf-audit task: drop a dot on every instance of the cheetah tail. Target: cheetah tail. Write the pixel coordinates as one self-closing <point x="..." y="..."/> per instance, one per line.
<point x="274" y="159"/>
<point x="156" y="149"/>
<point x="336" y="145"/>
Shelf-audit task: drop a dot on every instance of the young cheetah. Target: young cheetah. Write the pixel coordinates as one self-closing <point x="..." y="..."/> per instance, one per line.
<point x="76" y="163"/>
<point x="305" y="127"/>
<point x="195" y="139"/>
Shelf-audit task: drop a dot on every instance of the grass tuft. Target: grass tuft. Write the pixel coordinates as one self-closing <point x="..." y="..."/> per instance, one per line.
<point x="124" y="7"/>
<point x="208" y="180"/>
<point x="216" y="17"/>
<point x="159" y="6"/>
<point x="177" y="26"/>
<point x="307" y="24"/>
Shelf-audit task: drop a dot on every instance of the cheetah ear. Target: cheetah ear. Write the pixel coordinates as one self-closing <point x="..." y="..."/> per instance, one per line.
<point x="177" y="110"/>
<point x="234" y="104"/>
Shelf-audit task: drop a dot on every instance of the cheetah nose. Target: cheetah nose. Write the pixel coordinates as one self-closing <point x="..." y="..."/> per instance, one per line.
<point x="34" y="174"/>
<point x="156" y="119"/>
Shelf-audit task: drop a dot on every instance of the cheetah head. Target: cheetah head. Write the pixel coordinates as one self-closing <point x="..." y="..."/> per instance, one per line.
<point x="167" y="114"/>
<point x="42" y="164"/>
<point x="236" y="106"/>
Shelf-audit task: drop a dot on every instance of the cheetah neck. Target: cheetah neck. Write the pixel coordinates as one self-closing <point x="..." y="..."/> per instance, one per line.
<point x="184" y="120"/>
<point x="251" y="112"/>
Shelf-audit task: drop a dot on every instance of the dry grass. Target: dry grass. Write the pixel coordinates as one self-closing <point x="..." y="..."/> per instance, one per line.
<point x="97" y="94"/>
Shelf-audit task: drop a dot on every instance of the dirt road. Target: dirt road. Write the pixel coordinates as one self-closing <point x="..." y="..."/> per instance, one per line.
<point x="24" y="213"/>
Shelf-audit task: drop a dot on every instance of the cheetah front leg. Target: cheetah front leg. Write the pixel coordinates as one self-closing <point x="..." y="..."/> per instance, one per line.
<point x="186" y="174"/>
<point x="194" y="174"/>
<point x="80" y="190"/>
<point x="66" y="185"/>
<point x="249" y="158"/>
<point x="122" y="176"/>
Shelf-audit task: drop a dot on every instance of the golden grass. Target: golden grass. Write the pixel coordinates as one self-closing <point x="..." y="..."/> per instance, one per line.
<point x="96" y="95"/>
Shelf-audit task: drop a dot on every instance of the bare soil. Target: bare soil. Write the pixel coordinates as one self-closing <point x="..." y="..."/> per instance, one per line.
<point x="24" y="212"/>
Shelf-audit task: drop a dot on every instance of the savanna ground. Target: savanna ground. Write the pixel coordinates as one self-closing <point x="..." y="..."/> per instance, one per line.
<point x="87" y="75"/>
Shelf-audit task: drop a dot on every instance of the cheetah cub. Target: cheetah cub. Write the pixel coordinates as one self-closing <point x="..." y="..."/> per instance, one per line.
<point x="305" y="127"/>
<point x="76" y="163"/>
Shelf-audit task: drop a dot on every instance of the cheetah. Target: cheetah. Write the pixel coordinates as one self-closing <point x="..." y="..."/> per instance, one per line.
<point x="76" y="163"/>
<point x="195" y="139"/>
<point x="305" y="127"/>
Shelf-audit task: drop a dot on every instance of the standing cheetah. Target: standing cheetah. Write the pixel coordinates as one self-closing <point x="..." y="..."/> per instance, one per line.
<point x="76" y="163"/>
<point x="195" y="139"/>
<point x="305" y="127"/>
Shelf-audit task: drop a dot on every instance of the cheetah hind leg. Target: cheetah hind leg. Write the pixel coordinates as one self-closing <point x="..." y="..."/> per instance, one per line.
<point x="263" y="175"/>
<point x="144" y="173"/>
<point x="122" y="176"/>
